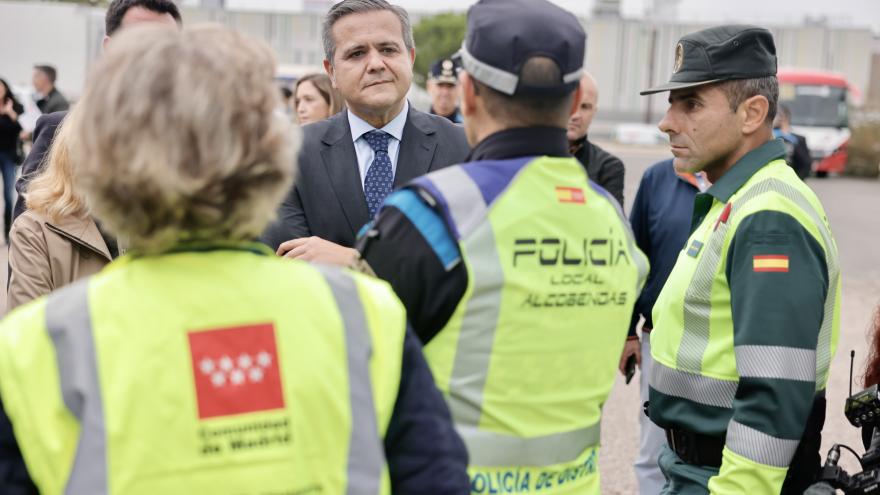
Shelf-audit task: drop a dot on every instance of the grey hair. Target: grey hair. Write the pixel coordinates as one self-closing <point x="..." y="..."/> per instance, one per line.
<point x="740" y="90"/>
<point x="346" y="7"/>
<point x="182" y="169"/>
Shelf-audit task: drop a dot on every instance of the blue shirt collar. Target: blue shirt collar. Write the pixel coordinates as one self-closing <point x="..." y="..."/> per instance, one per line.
<point x="359" y="126"/>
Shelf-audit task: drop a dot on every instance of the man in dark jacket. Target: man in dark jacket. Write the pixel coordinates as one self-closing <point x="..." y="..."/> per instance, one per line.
<point x="603" y="168"/>
<point x="51" y="100"/>
<point x="797" y="154"/>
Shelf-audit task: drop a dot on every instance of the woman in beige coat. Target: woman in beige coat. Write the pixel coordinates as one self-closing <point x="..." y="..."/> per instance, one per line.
<point x="55" y="241"/>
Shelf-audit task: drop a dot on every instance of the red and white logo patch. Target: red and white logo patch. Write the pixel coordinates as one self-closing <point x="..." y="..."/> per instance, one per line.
<point x="236" y="370"/>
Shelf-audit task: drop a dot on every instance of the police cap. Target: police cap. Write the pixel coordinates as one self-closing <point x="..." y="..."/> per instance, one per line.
<point x="444" y="71"/>
<point x="721" y="54"/>
<point x="502" y="35"/>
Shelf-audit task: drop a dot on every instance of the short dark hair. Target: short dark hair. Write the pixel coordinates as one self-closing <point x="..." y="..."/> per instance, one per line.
<point x="117" y="9"/>
<point x="740" y="90"/>
<point x="346" y="7"/>
<point x="530" y="110"/>
<point x="50" y="72"/>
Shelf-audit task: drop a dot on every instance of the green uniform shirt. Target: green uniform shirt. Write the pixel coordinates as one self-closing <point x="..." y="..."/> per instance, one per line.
<point x="746" y="342"/>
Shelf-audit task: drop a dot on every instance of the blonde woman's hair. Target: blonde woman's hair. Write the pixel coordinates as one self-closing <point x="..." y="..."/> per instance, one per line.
<point x="178" y="139"/>
<point x="52" y="192"/>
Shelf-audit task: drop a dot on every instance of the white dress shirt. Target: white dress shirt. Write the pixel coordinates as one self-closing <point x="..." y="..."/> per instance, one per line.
<point x="365" y="154"/>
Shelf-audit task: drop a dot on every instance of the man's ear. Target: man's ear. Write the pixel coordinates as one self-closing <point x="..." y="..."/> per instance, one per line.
<point x="578" y="95"/>
<point x="468" y="94"/>
<point x="754" y="112"/>
<point x="412" y="56"/>
<point x="328" y="68"/>
<point x="104" y="42"/>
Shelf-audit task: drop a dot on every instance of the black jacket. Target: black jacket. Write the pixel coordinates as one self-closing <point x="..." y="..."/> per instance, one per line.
<point x="801" y="160"/>
<point x="44" y="135"/>
<point x="53" y="102"/>
<point x="9" y="130"/>
<point x="603" y="168"/>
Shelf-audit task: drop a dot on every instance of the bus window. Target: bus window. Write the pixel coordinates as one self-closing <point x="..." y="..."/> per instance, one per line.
<point x="816" y="105"/>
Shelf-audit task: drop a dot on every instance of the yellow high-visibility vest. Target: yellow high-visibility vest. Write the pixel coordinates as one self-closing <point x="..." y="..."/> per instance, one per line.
<point x="223" y="371"/>
<point x="530" y="353"/>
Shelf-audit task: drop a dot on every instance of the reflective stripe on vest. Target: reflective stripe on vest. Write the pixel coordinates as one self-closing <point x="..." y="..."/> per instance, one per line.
<point x="474" y="348"/>
<point x="760" y="447"/>
<point x="69" y="325"/>
<point x="692" y="386"/>
<point x="366" y="454"/>
<point x="68" y="321"/>
<point x="698" y="297"/>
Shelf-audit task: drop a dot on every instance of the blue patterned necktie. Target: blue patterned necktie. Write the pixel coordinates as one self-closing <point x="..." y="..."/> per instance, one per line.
<point x="380" y="177"/>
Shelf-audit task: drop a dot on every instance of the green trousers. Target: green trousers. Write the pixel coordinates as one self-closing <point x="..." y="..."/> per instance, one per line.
<point x="683" y="478"/>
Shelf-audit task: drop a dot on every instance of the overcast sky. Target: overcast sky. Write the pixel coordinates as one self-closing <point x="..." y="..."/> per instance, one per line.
<point x="853" y="13"/>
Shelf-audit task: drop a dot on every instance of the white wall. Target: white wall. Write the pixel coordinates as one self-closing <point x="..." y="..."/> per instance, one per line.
<point x="618" y="50"/>
<point x="65" y="36"/>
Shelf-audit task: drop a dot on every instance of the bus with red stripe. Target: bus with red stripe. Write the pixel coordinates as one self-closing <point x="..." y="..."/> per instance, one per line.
<point x="819" y="102"/>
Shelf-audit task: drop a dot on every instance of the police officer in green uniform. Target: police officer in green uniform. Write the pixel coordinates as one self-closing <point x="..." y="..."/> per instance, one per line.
<point x="747" y="323"/>
<point x="517" y="272"/>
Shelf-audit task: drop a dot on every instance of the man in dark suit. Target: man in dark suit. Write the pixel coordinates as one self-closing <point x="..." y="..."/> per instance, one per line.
<point x="120" y="13"/>
<point x="350" y="162"/>
<point x="602" y="167"/>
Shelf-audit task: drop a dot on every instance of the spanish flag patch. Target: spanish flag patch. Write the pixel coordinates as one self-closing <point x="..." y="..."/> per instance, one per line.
<point x="770" y="263"/>
<point x="570" y="195"/>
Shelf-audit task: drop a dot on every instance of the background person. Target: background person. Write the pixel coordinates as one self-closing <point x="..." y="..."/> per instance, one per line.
<point x="286" y="100"/>
<point x="10" y="128"/>
<point x="350" y="162"/>
<point x="602" y="167"/>
<point x="120" y="14"/>
<point x="328" y="390"/>
<point x="443" y="89"/>
<point x="55" y="242"/>
<point x="316" y="99"/>
<point x="49" y="99"/>
<point x="796" y="151"/>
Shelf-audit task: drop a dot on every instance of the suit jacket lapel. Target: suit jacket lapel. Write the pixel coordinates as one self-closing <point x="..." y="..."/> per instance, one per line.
<point x="417" y="146"/>
<point x="340" y="163"/>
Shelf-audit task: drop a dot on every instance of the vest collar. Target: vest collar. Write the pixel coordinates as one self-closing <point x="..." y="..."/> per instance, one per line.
<point x="524" y="141"/>
<point x="205" y="246"/>
<point x="745" y="168"/>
